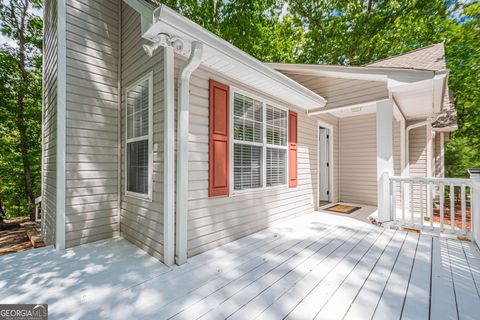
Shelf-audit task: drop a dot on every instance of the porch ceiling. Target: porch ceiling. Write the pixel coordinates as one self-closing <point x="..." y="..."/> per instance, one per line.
<point x="354" y="90"/>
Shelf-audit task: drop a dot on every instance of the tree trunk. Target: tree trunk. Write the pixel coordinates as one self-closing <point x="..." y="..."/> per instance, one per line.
<point x="2" y="212"/>
<point x="27" y="179"/>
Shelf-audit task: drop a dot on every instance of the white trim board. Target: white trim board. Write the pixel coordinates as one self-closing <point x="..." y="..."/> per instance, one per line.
<point x="169" y="158"/>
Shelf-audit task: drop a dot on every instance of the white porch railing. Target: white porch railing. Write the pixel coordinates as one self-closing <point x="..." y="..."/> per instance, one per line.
<point x="415" y="206"/>
<point x="423" y="203"/>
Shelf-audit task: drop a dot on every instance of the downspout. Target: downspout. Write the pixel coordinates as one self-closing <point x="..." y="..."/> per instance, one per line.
<point x="407" y="143"/>
<point x="407" y="160"/>
<point x="182" y="151"/>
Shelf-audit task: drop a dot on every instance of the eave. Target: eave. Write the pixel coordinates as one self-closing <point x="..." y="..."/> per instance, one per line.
<point x="224" y="58"/>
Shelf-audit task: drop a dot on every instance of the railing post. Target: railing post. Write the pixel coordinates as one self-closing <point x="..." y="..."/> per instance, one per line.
<point x="475" y="204"/>
<point x="384" y="205"/>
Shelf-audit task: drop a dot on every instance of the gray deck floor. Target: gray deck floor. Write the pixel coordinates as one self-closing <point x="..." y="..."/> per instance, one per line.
<point x="319" y="266"/>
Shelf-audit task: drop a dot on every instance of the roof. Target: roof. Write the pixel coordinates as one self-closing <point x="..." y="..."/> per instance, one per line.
<point x="431" y="57"/>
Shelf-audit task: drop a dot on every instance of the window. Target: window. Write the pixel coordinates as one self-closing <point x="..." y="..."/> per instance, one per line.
<point x="259" y="144"/>
<point x="139" y="137"/>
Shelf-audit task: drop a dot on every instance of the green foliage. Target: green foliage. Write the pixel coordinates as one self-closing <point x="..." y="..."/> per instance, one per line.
<point x="16" y="84"/>
<point x="463" y="59"/>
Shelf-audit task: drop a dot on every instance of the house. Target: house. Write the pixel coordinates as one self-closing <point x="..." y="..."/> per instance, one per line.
<point x="161" y="132"/>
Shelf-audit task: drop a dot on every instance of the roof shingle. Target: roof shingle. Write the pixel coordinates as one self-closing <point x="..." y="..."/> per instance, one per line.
<point x="431" y="57"/>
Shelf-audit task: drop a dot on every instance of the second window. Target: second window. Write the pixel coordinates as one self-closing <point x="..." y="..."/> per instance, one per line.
<point x="259" y="143"/>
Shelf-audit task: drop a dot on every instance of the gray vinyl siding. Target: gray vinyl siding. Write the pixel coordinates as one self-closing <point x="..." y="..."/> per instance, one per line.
<point x="342" y="92"/>
<point x="218" y="220"/>
<point x="49" y="122"/>
<point x="141" y="220"/>
<point x="91" y="199"/>
<point x="358" y="159"/>
<point x="418" y="163"/>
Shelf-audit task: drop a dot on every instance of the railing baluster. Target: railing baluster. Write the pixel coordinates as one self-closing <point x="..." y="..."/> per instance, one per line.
<point x="426" y="189"/>
<point x="442" y="204"/>
<point x="402" y="198"/>
<point x="430" y="204"/>
<point x="464" y="213"/>
<point x="452" y="207"/>
<point x="411" y="203"/>
<point x="393" y="200"/>
<point x="421" y="204"/>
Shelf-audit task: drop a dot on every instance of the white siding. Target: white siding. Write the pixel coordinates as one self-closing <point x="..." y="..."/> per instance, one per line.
<point x="215" y="221"/>
<point x="49" y="122"/>
<point x="358" y="159"/>
<point x="142" y="221"/>
<point x="91" y="121"/>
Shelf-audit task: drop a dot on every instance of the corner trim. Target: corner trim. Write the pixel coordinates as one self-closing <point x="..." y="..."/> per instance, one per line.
<point x="60" y="242"/>
<point x="169" y="158"/>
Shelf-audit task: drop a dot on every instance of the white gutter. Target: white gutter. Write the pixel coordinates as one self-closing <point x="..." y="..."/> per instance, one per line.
<point x="182" y="148"/>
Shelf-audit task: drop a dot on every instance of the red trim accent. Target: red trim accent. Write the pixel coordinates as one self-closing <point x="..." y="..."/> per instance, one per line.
<point x="218" y="141"/>
<point x="292" y="149"/>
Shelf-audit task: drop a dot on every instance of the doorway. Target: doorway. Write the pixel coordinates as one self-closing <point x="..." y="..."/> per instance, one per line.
<point x="324" y="195"/>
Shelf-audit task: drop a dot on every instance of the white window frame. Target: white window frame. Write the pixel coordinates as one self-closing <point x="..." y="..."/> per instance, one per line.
<point x="263" y="144"/>
<point x="148" y="195"/>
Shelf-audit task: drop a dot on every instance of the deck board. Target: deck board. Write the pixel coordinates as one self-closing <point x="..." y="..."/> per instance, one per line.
<point x="468" y="301"/>
<point x="318" y="266"/>
<point x="391" y="303"/>
<point x="364" y="304"/>
<point x="444" y="304"/>
<point x="417" y="300"/>
<point x="338" y="304"/>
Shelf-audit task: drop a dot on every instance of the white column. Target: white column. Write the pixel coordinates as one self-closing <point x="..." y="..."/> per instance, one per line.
<point x="475" y="204"/>
<point x="384" y="117"/>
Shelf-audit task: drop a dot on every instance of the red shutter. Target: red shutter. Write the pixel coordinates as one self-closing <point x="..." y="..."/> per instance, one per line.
<point x="292" y="149"/>
<point x="218" y="149"/>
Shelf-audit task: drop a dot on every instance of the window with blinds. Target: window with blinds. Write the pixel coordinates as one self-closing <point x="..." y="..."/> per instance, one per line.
<point x="276" y="160"/>
<point x="259" y="144"/>
<point x="138" y="137"/>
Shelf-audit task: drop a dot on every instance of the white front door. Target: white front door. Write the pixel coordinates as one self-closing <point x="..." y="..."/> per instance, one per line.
<point x="323" y="165"/>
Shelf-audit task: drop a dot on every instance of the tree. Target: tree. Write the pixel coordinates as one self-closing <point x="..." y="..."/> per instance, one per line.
<point x="463" y="150"/>
<point x="20" y="101"/>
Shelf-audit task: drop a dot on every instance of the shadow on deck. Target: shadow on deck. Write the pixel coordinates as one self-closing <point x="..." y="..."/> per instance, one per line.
<point x="321" y="265"/>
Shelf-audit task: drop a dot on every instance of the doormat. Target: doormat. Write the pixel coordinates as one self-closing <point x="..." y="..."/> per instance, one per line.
<point x="341" y="208"/>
